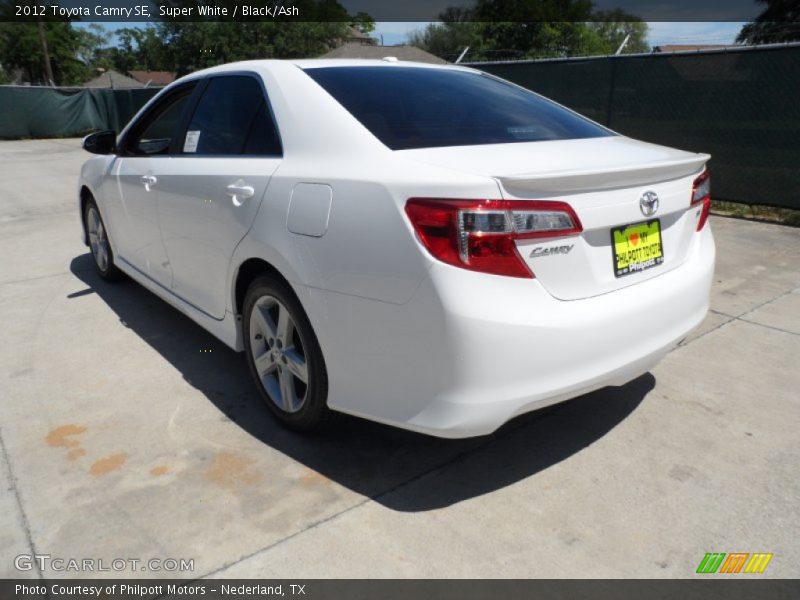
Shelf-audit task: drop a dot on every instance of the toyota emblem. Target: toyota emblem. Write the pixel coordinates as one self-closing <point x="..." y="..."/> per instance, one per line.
<point x="648" y="203"/>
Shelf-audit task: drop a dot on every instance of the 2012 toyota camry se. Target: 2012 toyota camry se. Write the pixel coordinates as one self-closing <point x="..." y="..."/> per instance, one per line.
<point x="426" y="246"/>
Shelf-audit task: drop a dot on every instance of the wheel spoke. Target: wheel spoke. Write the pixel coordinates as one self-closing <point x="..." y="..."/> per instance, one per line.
<point x="263" y="322"/>
<point x="287" y="389"/>
<point x="272" y="387"/>
<point x="97" y="239"/>
<point x="285" y="325"/>
<point x="95" y="220"/>
<point x="102" y="257"/>
<point x="264" y="364"/>
<point x="296" y="364"/>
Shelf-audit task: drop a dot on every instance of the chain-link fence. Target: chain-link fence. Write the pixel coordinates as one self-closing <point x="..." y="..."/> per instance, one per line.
<point x="740" y="106"/>
<point x="28" y="111"/>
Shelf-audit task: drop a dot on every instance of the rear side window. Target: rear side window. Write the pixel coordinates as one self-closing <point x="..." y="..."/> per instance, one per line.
<point x="263" y="137"/>
<point x="232" y="118"/>
<point x="413" y="107"/>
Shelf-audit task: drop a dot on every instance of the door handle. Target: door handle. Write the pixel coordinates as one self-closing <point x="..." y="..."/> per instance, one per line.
<point x="149" y="180"/>
<point x="239" y="192"/>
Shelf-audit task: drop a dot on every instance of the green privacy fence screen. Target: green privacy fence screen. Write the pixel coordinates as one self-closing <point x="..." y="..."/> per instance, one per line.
<point x="59" y="112"/>
<point x="741" y="106"/>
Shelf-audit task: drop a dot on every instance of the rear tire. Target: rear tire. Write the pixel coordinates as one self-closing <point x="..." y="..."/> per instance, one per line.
<point x="99" y="244"/>
<point x="284" y="356"/>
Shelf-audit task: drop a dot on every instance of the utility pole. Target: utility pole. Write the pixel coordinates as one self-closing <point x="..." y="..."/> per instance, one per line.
<point x="48" y="68"/>
<point x="622" y="45"/>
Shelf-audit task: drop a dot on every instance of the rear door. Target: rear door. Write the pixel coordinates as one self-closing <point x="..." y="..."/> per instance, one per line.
<point x="210" y="190"/>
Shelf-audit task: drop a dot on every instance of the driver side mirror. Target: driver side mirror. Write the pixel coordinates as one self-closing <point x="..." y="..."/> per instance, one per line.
<point x="102" y="142"/>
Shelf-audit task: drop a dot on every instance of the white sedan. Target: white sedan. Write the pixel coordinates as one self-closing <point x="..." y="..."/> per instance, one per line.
<point x="426" y="246"/>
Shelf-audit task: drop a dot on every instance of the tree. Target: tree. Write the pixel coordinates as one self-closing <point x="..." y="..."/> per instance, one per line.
<point x="138" y="49"/>
<point x="91" y="43"/>
<point x="448" y="39"/>
<point x="21" y="51"/>
<point x="521" y="29"/>
<point x="525" y="29"/>
<point x="183" y="46"/>
<point x="779" y="22"/>
<point x="187" y="47"/>
<point x="177" y="45"/>
<point x="614" y="26"/>
<point x="363" y="22"/>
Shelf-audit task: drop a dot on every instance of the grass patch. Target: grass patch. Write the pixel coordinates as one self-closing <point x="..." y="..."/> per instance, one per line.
<point x="756" y="212"/>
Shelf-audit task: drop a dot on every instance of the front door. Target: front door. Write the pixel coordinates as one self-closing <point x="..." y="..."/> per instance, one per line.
<point x="135" y="199"/>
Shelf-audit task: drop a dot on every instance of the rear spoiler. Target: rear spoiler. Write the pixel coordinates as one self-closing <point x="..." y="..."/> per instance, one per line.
<point x="575" y="181"/>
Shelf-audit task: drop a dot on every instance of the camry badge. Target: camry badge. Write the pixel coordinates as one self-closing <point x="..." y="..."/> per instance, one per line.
<point x="542" y="251"/>
<point x="648" y="203"/>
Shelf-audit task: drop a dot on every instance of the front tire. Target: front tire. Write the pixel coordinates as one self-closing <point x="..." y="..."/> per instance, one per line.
<point x="97" y="234"/>
<point x="284" y="356"/>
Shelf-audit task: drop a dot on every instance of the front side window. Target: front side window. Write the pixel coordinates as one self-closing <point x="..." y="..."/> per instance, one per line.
<point x="414" y="107"/>
<point x="232" y="118"/>
<point x="161" y="126"/>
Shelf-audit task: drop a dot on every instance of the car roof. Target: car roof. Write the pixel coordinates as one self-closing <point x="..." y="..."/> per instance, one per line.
<point x="389" y="61"/>
<point x="310" y="63"/>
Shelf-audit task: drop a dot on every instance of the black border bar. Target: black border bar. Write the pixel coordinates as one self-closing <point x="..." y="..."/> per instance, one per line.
<point x="703" y="587"/>
<point x="378" y="10"/>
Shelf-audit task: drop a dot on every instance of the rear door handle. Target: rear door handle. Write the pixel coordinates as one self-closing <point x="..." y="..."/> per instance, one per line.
<point x="239" y="191"/>
<point x="149" y="180"/>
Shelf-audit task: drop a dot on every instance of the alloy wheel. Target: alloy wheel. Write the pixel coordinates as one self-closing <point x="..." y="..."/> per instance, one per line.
<point x="98" y="241"/>
<point x="278" y="354"/>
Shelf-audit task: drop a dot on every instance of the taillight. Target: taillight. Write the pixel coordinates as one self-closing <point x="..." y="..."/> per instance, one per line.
<point x="480" y="234"/>
<point x="701" y="192"/>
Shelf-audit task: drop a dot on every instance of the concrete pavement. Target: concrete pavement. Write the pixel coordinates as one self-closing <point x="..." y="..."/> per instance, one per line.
<point x="126" y="431"/>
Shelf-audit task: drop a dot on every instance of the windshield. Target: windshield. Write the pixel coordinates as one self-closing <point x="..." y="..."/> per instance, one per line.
<point x="413" y="107"/>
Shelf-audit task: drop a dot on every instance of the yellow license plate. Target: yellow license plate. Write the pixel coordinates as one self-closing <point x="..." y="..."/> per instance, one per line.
<point x="637" y="247"/>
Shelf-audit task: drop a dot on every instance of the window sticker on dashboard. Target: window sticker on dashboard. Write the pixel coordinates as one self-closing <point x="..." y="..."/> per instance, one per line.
<point x="192" y="139"/>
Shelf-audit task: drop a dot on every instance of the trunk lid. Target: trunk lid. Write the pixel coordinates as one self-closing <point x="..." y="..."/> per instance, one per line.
<point x="603" y="179"/>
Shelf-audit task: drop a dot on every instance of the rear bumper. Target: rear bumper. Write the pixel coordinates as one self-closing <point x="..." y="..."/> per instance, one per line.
<point x="471" y="351"/>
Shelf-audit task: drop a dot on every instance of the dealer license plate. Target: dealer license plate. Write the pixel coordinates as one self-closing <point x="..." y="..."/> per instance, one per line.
<point x="637" y="247"/>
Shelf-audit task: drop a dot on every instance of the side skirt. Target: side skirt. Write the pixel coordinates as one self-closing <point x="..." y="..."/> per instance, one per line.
<point x="227" y="329"/>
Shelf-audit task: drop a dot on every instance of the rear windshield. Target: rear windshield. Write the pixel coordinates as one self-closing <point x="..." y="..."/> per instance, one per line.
<point x="413" y="107"/>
